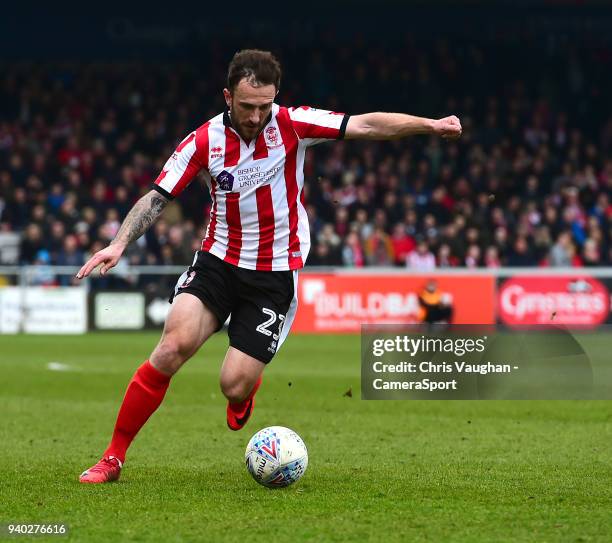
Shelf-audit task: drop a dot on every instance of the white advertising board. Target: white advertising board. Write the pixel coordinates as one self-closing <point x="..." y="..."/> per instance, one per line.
<point x="43" y="310"/>
<point x="119" y="311"/>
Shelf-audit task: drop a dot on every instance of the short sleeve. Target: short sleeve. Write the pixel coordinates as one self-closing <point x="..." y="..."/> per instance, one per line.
<point x="187" y="160"/>
<point x="317" y="125"/>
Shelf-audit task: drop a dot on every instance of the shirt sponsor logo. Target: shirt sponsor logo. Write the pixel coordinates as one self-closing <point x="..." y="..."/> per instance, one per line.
<point x="225" y="180"/>
<point x="255" y="175"/>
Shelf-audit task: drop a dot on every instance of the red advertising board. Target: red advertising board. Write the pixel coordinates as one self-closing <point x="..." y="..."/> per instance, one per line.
<point x="342" y="303"/>
<point x="575" y="300"/>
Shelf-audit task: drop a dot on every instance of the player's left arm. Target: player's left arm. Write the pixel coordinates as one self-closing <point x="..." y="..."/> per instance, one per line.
<point x="393" y="126"/>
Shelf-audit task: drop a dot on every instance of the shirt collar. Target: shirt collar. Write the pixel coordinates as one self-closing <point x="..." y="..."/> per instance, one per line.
<point x="226" y="118"/>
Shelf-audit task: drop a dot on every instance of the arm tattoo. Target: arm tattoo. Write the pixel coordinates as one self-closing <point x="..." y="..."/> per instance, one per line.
<point x="141" y="217"/>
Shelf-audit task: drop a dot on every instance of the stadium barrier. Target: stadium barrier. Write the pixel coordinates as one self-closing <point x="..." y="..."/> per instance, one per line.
<point x="44" y="299"/>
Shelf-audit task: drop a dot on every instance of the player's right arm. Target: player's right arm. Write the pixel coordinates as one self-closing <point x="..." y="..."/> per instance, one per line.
<point x="141" y="216"/>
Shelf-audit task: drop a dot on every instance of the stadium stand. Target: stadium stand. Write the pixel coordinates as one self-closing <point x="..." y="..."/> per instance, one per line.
<point x="528" y="184"/>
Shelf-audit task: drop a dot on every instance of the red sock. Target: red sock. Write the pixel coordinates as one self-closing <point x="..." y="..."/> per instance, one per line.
<point x="143" y="396"/>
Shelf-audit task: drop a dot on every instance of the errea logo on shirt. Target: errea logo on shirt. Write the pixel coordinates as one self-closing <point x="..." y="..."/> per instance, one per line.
<point x="216" y="152"/>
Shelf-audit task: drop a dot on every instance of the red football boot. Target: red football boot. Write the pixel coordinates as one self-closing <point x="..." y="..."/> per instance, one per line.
<point x="106" y="470"/>
<point x="239" y="413"/>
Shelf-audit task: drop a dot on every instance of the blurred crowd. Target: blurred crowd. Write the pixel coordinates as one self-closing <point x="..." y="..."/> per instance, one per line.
<point x="528" y="184"/>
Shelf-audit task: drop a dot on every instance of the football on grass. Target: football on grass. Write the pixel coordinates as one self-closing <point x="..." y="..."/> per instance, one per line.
<point x="276" y="456"/>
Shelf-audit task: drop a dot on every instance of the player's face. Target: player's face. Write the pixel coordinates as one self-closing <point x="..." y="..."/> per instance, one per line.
<point x="249" y="107"/>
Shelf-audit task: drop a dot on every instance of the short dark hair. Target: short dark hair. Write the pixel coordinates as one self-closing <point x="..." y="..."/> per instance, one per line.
<point x="258" y="67"/>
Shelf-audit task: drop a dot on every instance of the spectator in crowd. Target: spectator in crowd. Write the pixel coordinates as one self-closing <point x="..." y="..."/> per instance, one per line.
<point x="324" y="256"/>
<point x="562" y="252"/>
<point x="31" y="244"/>
<point x="180" y="245"/>
<point x="491" y="258"/>
<point x="378" y="248"/>
<point x="445" y="258"/>
<point x="353" y="255"/>
<point x="521" y="254"/>
<point x="590" y="253"/>
<point x="402" y="243"/>
<point x="421" y="259"/>
<point x="69" y="255"/>
<point x="472" y="258"/>
<point x="42" y="274"/>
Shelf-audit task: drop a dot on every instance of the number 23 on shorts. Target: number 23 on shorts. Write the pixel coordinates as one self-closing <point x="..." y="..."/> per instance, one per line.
<point x="264" y="327"/>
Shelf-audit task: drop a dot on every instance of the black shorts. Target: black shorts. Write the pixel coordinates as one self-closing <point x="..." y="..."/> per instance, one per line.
<point x="262" y="304"/>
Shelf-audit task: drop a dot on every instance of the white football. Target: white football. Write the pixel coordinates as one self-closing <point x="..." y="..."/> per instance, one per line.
<point x="276" y="456"/>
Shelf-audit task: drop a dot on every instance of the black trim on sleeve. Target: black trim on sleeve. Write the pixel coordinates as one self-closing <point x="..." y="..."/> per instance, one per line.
<point x="162" y="191"/>
<point x="343" y="127"/>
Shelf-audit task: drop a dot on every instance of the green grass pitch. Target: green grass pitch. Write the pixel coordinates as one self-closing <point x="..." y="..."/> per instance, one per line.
<point x="379" y="471"/>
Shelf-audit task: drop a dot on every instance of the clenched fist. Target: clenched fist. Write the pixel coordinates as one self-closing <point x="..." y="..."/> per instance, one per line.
<point x="448" y="127"/>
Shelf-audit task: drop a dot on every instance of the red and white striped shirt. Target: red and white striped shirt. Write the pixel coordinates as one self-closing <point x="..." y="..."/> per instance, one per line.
<point x="257" y="219"/>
